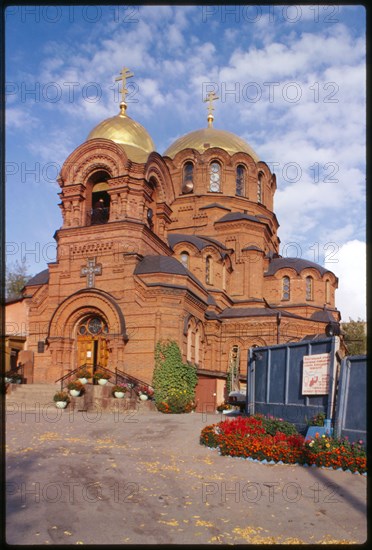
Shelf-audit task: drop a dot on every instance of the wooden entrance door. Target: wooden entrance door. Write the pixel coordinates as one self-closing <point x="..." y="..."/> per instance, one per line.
<point x="92" y="352"/>
<point x="92" y="349"/>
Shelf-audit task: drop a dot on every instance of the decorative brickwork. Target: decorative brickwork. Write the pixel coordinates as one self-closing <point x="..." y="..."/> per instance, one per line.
<point x="170" y="261"/>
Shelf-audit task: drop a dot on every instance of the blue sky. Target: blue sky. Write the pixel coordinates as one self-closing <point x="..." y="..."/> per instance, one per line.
<point x="291" y="81"/>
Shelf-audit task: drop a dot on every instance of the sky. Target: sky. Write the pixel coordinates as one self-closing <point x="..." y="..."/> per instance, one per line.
<point x="291" y="81"/>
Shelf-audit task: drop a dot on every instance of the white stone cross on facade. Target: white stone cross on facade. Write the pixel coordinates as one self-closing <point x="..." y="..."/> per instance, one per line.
<point x="90" y="271"/>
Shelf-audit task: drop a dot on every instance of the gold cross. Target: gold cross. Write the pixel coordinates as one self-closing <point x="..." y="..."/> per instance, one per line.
<point x="211" y="96"/>
<point x="124" y="74"/>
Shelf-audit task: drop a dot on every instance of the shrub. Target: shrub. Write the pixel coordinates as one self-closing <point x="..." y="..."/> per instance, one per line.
<point x="173" y="381"/>
<point x="272" y="425"/>
<point x="317" y="420"/>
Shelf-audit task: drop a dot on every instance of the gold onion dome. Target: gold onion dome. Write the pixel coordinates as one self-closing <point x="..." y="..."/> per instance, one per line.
<point x="204" y="139"/>
<point x="123" y="130"/>
<point x="127" y="133"/>
<point x="209" y="137"/>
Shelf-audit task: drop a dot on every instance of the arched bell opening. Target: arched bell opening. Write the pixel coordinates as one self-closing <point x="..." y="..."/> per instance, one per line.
<point x="98" y="198"/>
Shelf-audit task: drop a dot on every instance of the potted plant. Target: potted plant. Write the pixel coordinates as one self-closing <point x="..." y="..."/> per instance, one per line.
<point x="119" y="390"/>
<point x="17" y="379"/>
<point x="83" y="375"/>
<point x="144" y="392"/>
<point x="61" y="399"/>
<point x="102" y="377"/>
<point x="223" y="407"/>
<point x="75" y="388"/>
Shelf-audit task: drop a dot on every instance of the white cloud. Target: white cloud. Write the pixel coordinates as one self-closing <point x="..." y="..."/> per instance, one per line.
<point x="350" y="268"/>
<point x="17" y="118"/>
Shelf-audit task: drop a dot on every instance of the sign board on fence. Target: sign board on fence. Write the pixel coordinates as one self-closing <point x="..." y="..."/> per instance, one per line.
<point x="315" y="374"/>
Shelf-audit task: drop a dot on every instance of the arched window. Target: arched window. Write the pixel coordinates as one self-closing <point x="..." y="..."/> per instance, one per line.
<point x="185" y="257"/>
<point x="92" y="326"/>
<point x="224" y="276"/>
<point x="259" y="187"/>
<point x="197" y="346"/>
<point x="215" y="177"/>
<point x="189" y="342"/>
<point x="188" y="178"/>
<point x="286" y="288"/>
<point x="309" y="288"/>
<point x="328" y="291"/>
<point x="209" y="270"/>
<point x="240" y="180"/>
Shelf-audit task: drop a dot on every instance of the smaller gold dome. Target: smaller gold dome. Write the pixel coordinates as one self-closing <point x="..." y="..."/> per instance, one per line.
<point x="206" y="138"/>
<point x="127" y="133"/>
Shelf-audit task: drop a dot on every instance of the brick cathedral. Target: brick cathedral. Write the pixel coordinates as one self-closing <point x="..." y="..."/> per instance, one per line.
<point x="179" y="246"/>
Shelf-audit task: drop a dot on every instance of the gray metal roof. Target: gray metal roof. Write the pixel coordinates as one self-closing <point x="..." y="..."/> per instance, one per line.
<point x="164" y="264"/>
<point x="215" y="205"/>
<point x="252" y="247"/>
<point x="323" y="316"/>
<point x="236" y="216"/>
<point x="199" y="241"/>
<point x="232" y="312"/>
<point x="39" y="279"/>
<point x="298" y="264"/>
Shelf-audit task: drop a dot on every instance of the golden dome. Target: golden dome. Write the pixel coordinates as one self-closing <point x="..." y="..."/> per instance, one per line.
<point x="127" y="133"/>
<point x="204" y="139"/>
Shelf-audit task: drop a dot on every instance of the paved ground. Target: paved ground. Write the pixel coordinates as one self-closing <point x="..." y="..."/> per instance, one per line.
<point x="144" y="479"/>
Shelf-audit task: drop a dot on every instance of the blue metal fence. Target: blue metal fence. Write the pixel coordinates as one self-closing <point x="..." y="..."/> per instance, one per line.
<point x="351" y="409"/>
<point x="274" y="381"/>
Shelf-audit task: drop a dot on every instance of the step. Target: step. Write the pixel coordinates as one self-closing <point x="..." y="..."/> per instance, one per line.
<point x="95" y="398"/>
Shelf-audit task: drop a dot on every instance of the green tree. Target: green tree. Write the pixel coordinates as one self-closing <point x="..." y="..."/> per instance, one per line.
<point x="355" y="336"/>
<point x="16" y="278"/>
<point x="173" y="381"/>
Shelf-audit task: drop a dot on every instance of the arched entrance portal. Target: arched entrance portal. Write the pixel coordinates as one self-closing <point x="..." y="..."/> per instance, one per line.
<point x="92" y="343"/>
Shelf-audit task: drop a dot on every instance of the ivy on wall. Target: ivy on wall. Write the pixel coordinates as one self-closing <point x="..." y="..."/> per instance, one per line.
<point x="173" y="381"/>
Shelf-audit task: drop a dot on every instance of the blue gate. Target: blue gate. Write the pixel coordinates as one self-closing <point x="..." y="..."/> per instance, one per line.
<point x="274" y="381"/>
<point x="351" y="409"/>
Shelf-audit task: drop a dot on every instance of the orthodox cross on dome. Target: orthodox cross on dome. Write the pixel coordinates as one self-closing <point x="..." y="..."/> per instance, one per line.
<point x="90" y="270"/>
<point x="124" y="75"/>
<point x="211" y="96"/>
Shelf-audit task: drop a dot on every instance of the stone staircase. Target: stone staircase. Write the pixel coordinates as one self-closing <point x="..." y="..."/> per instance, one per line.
<point x="96" y="399"/>
<point x="29" y="396"/>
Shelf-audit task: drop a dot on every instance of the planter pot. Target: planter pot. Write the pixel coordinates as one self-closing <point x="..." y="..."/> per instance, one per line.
<point x="143" y="397"/>
<point x="61" y="404"/>
<point x="102" y="381"/>
<point x="83" y="380"/>
<point x="119" y="394"/>
<point x="7" y="379"/>
<point x="18" y="381"/>
<point x="75" y="393"/>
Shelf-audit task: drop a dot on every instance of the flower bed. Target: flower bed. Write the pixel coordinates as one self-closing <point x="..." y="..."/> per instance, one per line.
<point x="272" y="439"/>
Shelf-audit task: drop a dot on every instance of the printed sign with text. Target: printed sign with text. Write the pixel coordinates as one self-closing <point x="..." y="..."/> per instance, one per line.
<point x="315" y="379"/>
